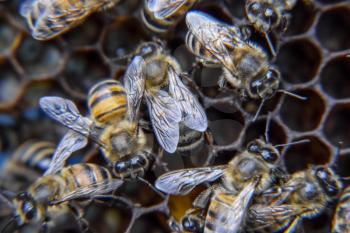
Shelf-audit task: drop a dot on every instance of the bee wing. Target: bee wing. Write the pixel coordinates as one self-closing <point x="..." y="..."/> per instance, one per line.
<point x="194" y="116"/>
<point x="184" y="180"/>
<point x="134" y="83"/>
<point x="55" y="17"/>
<point x="71" y="142"/>
<point x="262" y="216"/>
<point x="90" y="191"/>
<point x="234" y="215"/>
<point x="163" y="9"/>
<point x="217" y="37"/>
<point x="165" y="115"/>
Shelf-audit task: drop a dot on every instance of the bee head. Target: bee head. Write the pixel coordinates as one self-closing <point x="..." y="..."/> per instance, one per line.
<point x="267" y="86"/>
<point x="265" y="151"/>
<point x="26" y="208"/>
<point x="328" y="180"/>
<point x="262" y="15"/>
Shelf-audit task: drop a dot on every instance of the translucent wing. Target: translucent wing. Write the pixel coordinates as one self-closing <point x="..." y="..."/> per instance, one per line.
<point x="165" y="115"/>
<point x="90" y="191"/>
<point x="163" y="9"/>
<point x="134" y="83"/>
<point x="193" y="114"/>
<point x="217" y="37"/>
<point x="184" y="180"/>
<point x="230" y="219"/>
<point x="65" y="112"/>
<point x="261" y="216"/>
<point x="71" y="142"/>
<point x="48" y="19"/>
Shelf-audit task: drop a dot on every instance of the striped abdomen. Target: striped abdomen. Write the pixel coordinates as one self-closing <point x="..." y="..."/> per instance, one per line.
<point x="162" y="25"/>
<point x="107" y="101"/>
<point x="83" y="175"/>
<point x="341" y="219"/>
<point x="199" y="50"/>
<point x="35" y="155"/>
<point x="190" y="141"/>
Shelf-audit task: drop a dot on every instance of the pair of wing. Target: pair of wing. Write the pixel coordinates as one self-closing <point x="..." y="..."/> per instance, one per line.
<point x="65" y="112"/>
<point x="166" y="109"/>
<point x="163" y="9"/>
<point x="216" y="37"/>
<point x="50" y="18"/>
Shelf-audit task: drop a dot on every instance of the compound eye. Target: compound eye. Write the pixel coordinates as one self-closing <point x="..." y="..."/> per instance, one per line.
<point x="327" y="182"/>
<point x="253" y="148"/>
<point x="29" y="210"/>
<point x="269" y="155"/>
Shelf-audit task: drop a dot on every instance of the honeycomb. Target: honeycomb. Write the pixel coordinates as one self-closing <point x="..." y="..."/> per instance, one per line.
<point x="311" y="56"/>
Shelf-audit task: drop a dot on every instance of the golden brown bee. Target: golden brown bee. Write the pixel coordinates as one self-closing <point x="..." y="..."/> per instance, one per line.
<point x="113" y="125"/>
<point x="305" y="195"/>
<point x="168" y="100"/>
<point x="51" y="194"/>
<point x="249" y="173"/>
<point x="245" y="65"/>
<point x="341" y="219"/>
<point x="30" y="160"/>
<point x="161" y="15"/>
<point x="50" y="18"/>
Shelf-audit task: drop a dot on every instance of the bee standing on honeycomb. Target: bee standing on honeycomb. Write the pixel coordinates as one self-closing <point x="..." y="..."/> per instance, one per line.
<point x="245" y="65"/>
<point x="169" y="101"/>
<point x="113" y="124"/>
<point x="224" y="207"/>
<point x="49" y="18"/>
<point x="50" y="197"/>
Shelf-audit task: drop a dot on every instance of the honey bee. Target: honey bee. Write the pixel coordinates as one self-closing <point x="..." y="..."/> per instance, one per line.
<point x="161" y="15"/>
<point x="269" y="15"/>
<point x="249" y="173"/>
<point x="51" y="194"/>
<point x="190" y="141"/>
<point x="305" y="195"/>
<point x="49" y="18"/>
<point x="245" y="64"/>
<point x="341" y="215"/>
<point x="26" y="164"/>
<point x="113" y="125"/>
<point x="169" y="101"/>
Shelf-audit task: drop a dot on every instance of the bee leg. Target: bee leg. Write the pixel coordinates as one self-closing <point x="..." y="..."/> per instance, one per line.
<point x="78" y="212"/>
<point x="202" y="200"/>
<point x="193" y="221"/>
<point x="294" y="227"/>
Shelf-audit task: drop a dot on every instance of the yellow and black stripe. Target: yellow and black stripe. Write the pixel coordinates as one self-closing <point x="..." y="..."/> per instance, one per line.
<point x="34" y="154"/>
<point x="83" y="175"/>
<point x="341" y="221"/>
<point x="107" y="102"/>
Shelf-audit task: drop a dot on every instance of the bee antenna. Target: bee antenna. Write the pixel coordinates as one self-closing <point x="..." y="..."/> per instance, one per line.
<point x="5" y="200"/>
<point x="272" y="49"/>
<point x="293" y="143"/>
<point x="267" y="127"/>
<point x="259" y="110"/>
<point x="333" y="163"/>
<point x="292" y="94"/>
<point x="9" y="223"/>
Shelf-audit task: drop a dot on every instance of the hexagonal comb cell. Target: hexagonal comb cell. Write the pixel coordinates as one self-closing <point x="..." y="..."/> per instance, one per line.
<point x="10" y="85"/>
<point x="298" y="157"/>
<point x="83" y="70"/>
<point x="301" y="18"/>
<point x="335" y="77"/>
<point x="337" y="127"/>
<point x="8" y="35"/>
<point x="303" y="115"/>
<point x="333" y="29"/>
<point x="298" y="61"/>
<point x="39" y="59"/>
